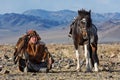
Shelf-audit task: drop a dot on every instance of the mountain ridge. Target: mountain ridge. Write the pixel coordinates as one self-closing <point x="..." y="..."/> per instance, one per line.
<point x="41" y="20"/>
<point x="49" y="19"/>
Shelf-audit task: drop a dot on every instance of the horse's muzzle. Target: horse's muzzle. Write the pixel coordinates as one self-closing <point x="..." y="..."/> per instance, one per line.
<point x="85" y="35"/>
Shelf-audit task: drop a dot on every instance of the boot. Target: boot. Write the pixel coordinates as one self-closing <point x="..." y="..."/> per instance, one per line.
<point x="70" y="33"/>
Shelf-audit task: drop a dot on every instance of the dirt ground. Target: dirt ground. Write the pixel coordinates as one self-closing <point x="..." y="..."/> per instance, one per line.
<point x="65" y="64"/>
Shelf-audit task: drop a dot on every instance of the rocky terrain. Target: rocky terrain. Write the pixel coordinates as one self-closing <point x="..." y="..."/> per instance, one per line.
<point x="65" y="63"/>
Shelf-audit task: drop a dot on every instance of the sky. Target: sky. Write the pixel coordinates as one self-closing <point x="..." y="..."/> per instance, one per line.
<point x="97" y="6"/>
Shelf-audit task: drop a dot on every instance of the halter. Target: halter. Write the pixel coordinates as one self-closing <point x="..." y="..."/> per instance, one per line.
<point x="82" y="25"/>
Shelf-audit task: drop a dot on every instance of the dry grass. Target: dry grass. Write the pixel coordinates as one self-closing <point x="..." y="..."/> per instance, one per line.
<point x="109" y="55"/>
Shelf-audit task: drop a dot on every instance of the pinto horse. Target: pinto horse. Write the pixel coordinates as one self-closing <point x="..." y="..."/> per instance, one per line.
<point x="26" y="53"/>
<point x="84" y="33"/>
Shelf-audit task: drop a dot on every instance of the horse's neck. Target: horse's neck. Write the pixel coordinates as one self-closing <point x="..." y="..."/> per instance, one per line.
<point x="76" y="28"/>
<point x="93" y="29"/>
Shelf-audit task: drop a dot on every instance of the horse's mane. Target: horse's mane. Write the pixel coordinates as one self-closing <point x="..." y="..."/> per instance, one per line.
<point x="83" y="11"/>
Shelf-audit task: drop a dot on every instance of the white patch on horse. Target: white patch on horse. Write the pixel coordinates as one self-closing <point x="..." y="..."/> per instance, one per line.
<point x="83" y="20"/>
<point x="78" y="61"/>
<point x="96" y="66"/>
<point x="88" y="60"/>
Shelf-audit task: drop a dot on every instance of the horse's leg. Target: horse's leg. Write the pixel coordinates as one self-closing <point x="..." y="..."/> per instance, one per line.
<point x="95" y="56"/>
<point x="87" y="56"/>
<point x="77" y="55"/>
<point x="78" y="61"/>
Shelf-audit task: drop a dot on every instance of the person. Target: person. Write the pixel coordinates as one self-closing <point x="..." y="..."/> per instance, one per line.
<point x="36" y="55"/>
<point x="71" y="26"/>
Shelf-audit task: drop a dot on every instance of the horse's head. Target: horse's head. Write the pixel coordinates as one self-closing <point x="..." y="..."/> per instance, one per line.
<point x="84" y="22"/>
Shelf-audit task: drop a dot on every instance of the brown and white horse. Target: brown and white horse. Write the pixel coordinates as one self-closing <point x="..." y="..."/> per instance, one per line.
<point x="85" y="33"/>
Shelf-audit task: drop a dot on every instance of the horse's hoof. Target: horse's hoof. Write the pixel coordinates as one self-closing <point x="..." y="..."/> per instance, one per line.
<point x="25" y="69"/>
<point x="78" y="70"/>
<point x="47" y="70"/>
<point x="96" y="70"/>
<point x="69" y="35"/>
<point x="88" y="71"/>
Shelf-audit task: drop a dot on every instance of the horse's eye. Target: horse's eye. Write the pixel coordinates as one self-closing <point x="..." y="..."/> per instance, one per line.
<point x="83" y="20"/>
<point x="78" y="24"/>
<point x="87" y="17"/>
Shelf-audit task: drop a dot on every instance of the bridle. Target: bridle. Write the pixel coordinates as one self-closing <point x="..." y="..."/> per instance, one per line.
<point x="82" y="25"/>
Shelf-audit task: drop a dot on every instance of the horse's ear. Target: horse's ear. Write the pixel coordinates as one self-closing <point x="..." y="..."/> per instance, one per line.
<point x="89" y="11"/>
<point x="78" y="12"/>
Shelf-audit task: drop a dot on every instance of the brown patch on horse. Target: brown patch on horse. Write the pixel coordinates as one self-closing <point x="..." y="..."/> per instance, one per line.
<point x="94" y="53"/>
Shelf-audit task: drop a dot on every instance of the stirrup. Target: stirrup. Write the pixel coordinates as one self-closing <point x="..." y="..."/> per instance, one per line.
<point x="69" y="35"/>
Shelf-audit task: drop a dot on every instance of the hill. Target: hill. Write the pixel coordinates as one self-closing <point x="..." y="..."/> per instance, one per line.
<point x="108" y="24"/>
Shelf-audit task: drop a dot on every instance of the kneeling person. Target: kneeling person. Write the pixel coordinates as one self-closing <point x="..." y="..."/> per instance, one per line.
<point x="36" y="54"/>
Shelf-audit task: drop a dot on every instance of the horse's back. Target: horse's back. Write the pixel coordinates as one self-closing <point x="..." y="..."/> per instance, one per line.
<point x="94" y="29"/>
<point x="93" y="34"/>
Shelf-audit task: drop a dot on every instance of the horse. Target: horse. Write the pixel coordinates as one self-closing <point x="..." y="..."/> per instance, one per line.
<point x="84" y="33"/>
<point x="30" y="55"/>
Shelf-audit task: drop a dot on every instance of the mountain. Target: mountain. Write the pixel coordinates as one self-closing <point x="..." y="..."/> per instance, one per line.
<point x="108" y="24"/>
<point x="43" y="19"/>
<point x="109" y="31"/>
<point x="63" y="16"/>
<point x="13" y="21"/>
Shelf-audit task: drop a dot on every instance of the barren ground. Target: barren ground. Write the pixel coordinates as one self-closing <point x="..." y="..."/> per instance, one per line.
<point x="65" y="63"/>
